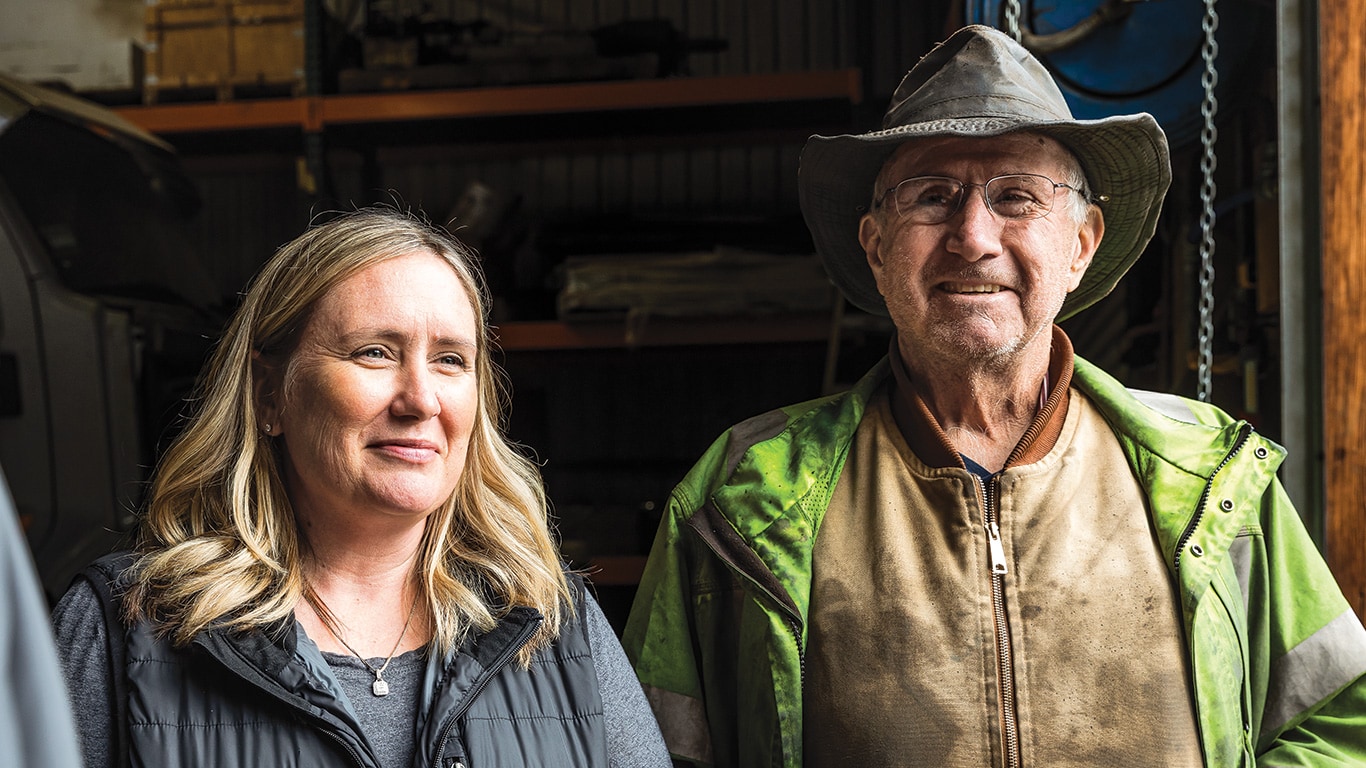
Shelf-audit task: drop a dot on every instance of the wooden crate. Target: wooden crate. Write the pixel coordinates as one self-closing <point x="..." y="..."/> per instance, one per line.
<point x="224" y="47"/>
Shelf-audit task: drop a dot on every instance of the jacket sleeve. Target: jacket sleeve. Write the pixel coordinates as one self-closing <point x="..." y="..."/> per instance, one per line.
<point x="36" y="723"/>
<point x="1312" y="681"/>
<point x="660" y="640"/>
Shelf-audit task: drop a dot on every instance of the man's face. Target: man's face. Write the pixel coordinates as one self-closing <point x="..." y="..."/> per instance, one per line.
<point x="978" y="287"/>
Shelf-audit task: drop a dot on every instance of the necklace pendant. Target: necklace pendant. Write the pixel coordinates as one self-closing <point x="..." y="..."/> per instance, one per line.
<point x="380" y="687"/>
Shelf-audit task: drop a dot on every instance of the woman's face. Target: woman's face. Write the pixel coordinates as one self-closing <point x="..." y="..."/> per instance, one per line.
<point x="380" y="397"/>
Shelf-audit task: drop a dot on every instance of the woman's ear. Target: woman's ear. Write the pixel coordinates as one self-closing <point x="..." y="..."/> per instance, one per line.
<point x="265" y="393"/>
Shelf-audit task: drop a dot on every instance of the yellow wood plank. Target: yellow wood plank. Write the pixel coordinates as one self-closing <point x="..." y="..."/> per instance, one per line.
<point x="1342" y="61"/>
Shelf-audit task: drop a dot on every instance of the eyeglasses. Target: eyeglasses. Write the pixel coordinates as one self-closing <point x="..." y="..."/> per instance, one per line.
<point x="934" y="199"/>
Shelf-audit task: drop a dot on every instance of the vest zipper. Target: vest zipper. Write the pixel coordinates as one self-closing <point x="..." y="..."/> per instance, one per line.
<point x="1005" y="665"/>
<point x="326" y="729"/>
<point x="248" y="672"/>
<point x="502" y="660"/>
<point x="342" y="743"/>
<point x="1244" y="432"/>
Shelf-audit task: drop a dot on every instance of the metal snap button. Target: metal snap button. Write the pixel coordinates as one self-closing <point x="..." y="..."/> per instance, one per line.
<point x="1197" y="550"/>
<point x="1261" y="452"/>
<point x="1226" y="505"/>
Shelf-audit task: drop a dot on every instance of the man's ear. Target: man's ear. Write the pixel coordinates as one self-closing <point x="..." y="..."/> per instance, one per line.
<point x="265" y="393"/>
<point x="870" y="237"/>
<point x="1089" y="235"/>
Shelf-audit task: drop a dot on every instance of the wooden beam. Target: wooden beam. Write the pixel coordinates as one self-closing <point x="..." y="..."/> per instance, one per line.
<point x="1342" y="64"/>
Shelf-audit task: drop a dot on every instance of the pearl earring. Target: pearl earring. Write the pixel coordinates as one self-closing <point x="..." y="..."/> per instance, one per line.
<point x="267" y="428"/>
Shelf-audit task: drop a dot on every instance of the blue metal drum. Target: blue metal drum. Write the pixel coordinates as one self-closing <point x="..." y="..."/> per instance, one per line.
<point x="1147" y="61"/>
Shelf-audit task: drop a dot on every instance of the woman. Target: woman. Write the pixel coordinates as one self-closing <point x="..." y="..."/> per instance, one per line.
<point x="342" y="560"/>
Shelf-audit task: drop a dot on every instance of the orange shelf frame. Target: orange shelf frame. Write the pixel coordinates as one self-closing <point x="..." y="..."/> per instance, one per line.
<point x="314" y="113"/>
<point x="209" y="117"/>
<point x="616" y="570"/>
<point x="663" y="332"/>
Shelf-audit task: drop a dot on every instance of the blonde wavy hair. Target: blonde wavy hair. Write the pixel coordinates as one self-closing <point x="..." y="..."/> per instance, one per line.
<point x="218" y="545"/>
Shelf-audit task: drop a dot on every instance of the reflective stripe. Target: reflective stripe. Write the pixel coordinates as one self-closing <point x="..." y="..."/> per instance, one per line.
<point x="1240" y="552"/>
<point x="1315" y="669"/>
<point x="1171" y="406"/>
<point x="683" y="721"/>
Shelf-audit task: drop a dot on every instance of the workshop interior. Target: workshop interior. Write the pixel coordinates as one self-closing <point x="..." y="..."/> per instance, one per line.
<point x="627" y="171"/>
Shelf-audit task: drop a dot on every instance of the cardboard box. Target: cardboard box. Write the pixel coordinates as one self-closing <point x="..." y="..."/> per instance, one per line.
<point x="224" y="46"/>
<point x="75" y="44"/>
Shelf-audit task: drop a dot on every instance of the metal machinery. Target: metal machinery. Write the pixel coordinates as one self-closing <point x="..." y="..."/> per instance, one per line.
<point x="105" y="316"/>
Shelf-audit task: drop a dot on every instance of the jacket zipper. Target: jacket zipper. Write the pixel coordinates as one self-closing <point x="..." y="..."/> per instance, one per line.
<point x="1005" y="664"/>
<point x="1244" y="432"/>
<point x="794" y="621"/>
<point x="502" y="660"/>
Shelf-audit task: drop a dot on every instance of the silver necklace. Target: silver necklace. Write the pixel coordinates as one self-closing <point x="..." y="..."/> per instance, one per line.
<point x="381" y="686"/>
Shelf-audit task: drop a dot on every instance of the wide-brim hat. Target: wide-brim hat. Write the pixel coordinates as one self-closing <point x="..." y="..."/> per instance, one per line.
<point x="980" y="83"/>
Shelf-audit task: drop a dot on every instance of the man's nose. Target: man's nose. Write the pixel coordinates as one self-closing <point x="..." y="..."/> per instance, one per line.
<point x="976" y="230"/>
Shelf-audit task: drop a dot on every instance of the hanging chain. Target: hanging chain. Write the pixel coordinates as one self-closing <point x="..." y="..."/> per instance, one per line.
<point x="1013" y="19"/>
<point x="1208" y="136"/>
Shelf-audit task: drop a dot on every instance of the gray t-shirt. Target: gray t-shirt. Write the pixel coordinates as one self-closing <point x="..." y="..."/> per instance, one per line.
<point x="383" y="717"/>
<point x="633" y="739"/>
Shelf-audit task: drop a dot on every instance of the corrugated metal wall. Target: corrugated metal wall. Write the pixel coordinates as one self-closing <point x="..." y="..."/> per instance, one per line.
<point x="698" y="170"/>
<point x="761" y="36"/>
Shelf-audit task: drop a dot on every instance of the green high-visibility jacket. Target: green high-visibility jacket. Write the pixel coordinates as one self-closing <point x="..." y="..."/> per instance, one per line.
<point x="717" y="632"/>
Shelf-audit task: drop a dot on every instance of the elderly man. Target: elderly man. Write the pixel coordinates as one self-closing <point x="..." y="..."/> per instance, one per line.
<point x="988" y="552"/>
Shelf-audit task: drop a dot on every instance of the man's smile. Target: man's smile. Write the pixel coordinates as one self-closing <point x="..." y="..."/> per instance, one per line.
<point x="971" y="287"/>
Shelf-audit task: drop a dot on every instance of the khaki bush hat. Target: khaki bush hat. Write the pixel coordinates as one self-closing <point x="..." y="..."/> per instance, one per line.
<point x="981" y="83"/>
